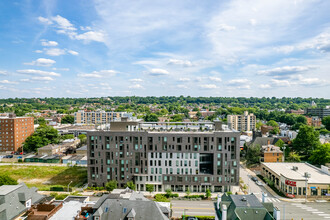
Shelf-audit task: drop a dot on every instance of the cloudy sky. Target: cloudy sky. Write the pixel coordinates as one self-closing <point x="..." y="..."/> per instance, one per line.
<point x="89" y="48"/>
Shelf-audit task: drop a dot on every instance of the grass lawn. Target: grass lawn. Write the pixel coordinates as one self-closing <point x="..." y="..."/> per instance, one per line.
<point x="43" y="177"/>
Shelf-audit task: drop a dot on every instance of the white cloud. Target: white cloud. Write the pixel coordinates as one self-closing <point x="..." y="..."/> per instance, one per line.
<point x="280" y="83"/>
<point x="25" y="80"/>
<point x="72" y="52"/>
<point x="8" y="82"/>
<point x="158" y="72"/>
<point x="60" y="69"/>
<point x="38" y="51"/>
<point x="42" y="62"/>
<point x="285" y="71"/>
<point x="3" y="72"/>
<point x="264" y="86"/>
<point x="49" y="43"/>
<point x="54" y="51"/>
<point x="208" y="86"/>
<point x="135" y="86"/>
<point x="63" y="23"/>
<point x="185" y="63"/>
<point x="253" y="21"/>
<point x="42" y="78"/>
<point x="182" y="86"/>
<point x="45" y="20"/>
<point x="225" y="27"/>
<point x="91" y="36"/>
<point x="136" y="80"/>
<point x="98" y="74"/>
<point x="184" y="79"/>
<point x="38" y="72"/>
<point x="216" y="79"/>
<point x="238" y="81"/>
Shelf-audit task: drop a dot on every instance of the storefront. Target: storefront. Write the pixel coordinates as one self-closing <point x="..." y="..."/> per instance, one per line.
<point x="295" y="179"/>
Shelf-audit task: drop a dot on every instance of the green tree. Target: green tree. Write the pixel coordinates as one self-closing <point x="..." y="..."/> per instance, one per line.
<point x="306" y="141"/>
<point x="301" y="119"/>
<point x="188" y="192"/>
<point x="275" y="130"/>
<point x="130" y="185"/>
<point x="150" y="188"/>
<point x="296" y="126"/>
<point x="111" y="185"/>
<point x="293" y="157"/>
<point x="40" y="121"/>
<point x="168" y="193"/>
<point x="280" y="143"/>
<point x="253" y="154"/>
<point x="68" y="119"/>
<point x="321" y="155"/>
<point x="41" y="137"/>
<point x="208" y="193"/>
<point x="272" y="123"/>
<point x="151" y="117"/>
<point x="82" y="138"/>
<point x="258" y="125"/>
<point x="326" y="122"/>
<point x="67" y="136"/>
<point x="7" y="180"/>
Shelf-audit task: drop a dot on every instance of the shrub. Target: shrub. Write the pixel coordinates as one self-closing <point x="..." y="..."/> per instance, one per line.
<point x="7" y="180"/>
<point x="111" y="185"/>
<point x="161" y="198"/>
<point x="194" y="196"/>
<point x="201" y="217"/>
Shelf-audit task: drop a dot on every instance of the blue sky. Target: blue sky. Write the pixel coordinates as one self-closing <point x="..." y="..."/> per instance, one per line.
<point x="92" y="48"/>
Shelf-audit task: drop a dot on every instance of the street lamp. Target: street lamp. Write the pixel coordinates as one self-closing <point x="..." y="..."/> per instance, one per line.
<point x="69" y="185"/>
<point x="284" y="147"/>
<point x="184" y="215"/>
<point x="307" y="175"/>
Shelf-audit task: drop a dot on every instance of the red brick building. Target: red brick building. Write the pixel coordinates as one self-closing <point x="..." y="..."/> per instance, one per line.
<point x="13" y="131"/>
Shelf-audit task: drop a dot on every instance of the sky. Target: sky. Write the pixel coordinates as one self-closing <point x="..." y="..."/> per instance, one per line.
<point x="98" y="48"/>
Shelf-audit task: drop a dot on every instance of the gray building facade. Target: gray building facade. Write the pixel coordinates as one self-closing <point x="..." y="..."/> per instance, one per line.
<point x="320" y="112"/>
<point x="175" y="159"/>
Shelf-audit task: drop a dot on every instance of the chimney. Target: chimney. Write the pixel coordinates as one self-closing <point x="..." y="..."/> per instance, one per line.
<point x="218" y="201"/>
<point x="277" y="213"/>
<point x="224" y="212"/>
<point x="264" y="197"/>
<point x="268" y="142"/>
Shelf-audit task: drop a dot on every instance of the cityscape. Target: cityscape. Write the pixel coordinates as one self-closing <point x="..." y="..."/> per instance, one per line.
<point x="145" y="110"/>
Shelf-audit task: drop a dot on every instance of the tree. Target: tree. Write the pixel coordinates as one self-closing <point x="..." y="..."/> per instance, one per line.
<point x="321" y="155"/>
<point x="293" y="157"/>
<point x="168" y="193"/>
<point x="253" y="154"/>
<point x="188" y="192"/>
<point x="68" y="119"/>
<point x="161" y="198"/>
<point x="258" y="125"/>
<point x="7" y="180"/>
<point x="280" y="143"/>
<point x="82" y="138"/>
<point x="67" y="136"/>
<point x="40" y="121"/>
<point x="306" y="141"/>
<point x="272" y="123"/>
<point x="326" y="122"/>
<point x="296" y="126"/>
<point x="301" y="119"/>
<point x="208" y="193"/>
<point x="151" y="117"/>
<point x="111" y="185"/>
<point x="130" y="185"/>
<point x="150" y="188"/>
<point x="275" y="130"/>
<point x="41" y="137"/>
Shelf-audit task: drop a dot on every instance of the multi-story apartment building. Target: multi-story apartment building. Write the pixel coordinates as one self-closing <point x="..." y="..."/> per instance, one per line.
<point x="13" y="131"/>
<point x="168" y="156"/>
<point x="245" y="122"/>
<point x="320" y="112"/>
<point x="99" y="117"/>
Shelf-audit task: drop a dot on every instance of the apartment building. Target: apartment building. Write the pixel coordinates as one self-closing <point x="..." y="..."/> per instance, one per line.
<point x="174" y="156"/>
<point x="245" y="122"/>
<point x="99" y="117"/>
<point x="14" y="130"/>
<point x="320" y="112"/>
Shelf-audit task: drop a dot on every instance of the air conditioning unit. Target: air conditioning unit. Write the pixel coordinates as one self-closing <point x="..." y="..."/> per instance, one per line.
<point x="308" y="175"/>
<point x="295" y="168"/>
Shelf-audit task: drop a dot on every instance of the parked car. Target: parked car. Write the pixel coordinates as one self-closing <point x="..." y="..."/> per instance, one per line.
<point x="255" y="179"/>
<point x="192" y="218"/>
<point x="259" y="183"/>
<point x="19" y="157"/>
<point x="9" y="156"/>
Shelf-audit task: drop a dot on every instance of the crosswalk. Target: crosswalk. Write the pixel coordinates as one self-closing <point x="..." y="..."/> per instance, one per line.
<point x="274" y="200"/>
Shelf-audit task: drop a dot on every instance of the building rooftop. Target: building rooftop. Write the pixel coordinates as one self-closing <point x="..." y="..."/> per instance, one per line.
<point x="270" y="149"/>
<point x="286" y="169"/>
<point x="5" y="189"/>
